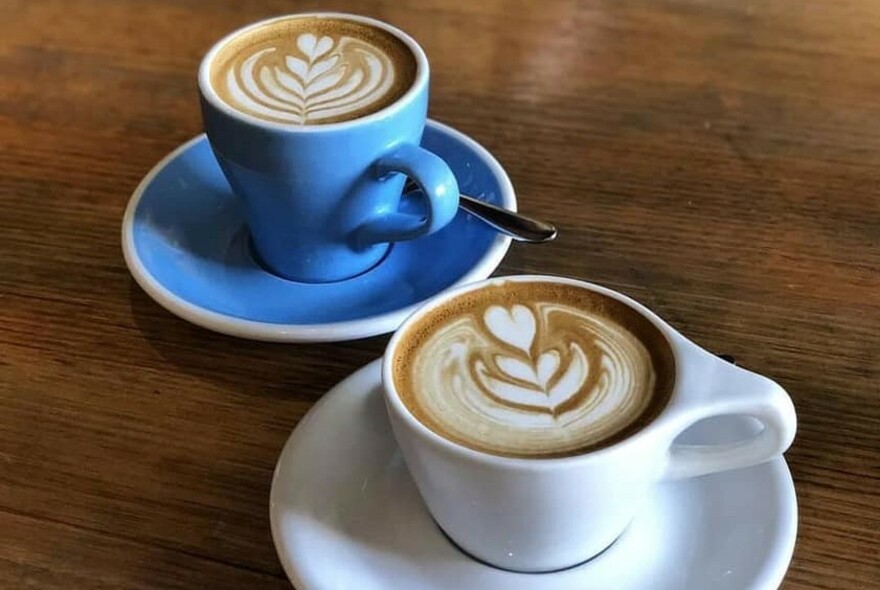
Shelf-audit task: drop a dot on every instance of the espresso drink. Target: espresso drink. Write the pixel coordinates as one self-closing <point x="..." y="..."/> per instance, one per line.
<point x="533" y="369"/>
<point x="312" y="70"/>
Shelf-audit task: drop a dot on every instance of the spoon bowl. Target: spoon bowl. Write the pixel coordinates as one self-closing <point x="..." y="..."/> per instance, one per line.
<point x="516" y="225"/>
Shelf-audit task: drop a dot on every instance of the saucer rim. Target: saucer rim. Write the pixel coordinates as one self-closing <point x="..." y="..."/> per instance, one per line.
<point x="769" y="576"/>
<point x="302" y="333"/>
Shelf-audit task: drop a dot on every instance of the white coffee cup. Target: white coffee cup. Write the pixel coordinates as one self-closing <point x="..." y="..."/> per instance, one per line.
<point x="545" y="514"/>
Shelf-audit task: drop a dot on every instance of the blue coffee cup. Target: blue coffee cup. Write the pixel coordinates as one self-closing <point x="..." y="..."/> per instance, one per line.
<point x="322" y="200"/>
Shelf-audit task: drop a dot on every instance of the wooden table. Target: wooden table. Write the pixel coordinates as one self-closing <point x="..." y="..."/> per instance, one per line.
<point x="718" y="160"/>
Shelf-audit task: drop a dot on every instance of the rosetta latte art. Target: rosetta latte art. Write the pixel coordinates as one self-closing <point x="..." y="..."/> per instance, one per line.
<point x="310" y="80"/>
<point x="532" y="379"/>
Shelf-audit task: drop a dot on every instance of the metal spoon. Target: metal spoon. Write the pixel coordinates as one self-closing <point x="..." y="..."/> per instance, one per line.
<point x="519" y="227"/>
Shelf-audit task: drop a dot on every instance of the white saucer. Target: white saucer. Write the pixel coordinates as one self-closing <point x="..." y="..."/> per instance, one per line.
<point x="345" y="514"/>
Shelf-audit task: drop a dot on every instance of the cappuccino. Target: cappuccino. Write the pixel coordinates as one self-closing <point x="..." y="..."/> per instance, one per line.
<point x="533" y="369"/>
<point x="312" y="70"/>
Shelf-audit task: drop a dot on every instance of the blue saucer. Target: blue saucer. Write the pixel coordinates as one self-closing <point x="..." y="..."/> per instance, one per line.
<point x="187" y="245"/>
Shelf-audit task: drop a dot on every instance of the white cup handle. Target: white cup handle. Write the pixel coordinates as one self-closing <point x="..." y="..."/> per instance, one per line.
<point x="719" y="388"/>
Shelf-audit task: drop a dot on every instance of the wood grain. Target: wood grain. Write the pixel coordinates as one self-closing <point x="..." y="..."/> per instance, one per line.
<point x="719" y="161"/>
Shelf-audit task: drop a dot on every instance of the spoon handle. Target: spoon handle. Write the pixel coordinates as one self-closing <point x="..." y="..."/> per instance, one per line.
<point x="516" y="225"/>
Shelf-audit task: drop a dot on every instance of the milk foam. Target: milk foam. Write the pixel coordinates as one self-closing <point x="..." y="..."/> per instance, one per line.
<point x="308" y="78"/>
<point x="531" y="379"/>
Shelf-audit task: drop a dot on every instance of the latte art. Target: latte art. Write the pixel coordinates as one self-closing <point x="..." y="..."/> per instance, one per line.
<point x="591" y="368"/>
<point x="536" y="377"/>
<point x="326" y="78"/>
<point x="311" y="72"/>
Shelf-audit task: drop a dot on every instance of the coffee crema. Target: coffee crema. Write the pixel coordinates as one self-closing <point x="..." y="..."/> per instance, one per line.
<point x="534" y="369"/>
<point x="312" y="70"/>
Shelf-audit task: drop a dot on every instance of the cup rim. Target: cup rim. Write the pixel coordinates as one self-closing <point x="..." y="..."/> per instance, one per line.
<point x="418" y="84"/>
<point x="657" y="425"/>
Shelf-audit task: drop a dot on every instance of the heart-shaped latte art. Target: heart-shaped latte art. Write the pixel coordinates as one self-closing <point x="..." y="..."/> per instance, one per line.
<point x="539" y="375"/>
<point x="539" y="387"/>
<point x="511" y="374"/>
<point x="515" y="326"/>
<point x="573" y="379"/>
<point x="312" y="47"/>
<point x="547" y="365"/>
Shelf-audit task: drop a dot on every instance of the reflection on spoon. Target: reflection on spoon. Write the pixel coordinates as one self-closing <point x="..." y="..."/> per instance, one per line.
<point x="519" y="227"/>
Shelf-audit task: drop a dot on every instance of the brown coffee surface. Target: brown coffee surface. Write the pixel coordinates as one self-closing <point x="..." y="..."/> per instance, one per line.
<point x="534" y="369"/>
<point x="312" y="70"/>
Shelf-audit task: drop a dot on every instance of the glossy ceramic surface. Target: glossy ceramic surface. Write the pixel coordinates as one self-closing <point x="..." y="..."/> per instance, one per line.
<point x="345" y="514"/>
<point x="187" y="244"/>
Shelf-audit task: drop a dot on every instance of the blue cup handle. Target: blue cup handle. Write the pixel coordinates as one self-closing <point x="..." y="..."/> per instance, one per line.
<point x="439" y="193"/>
